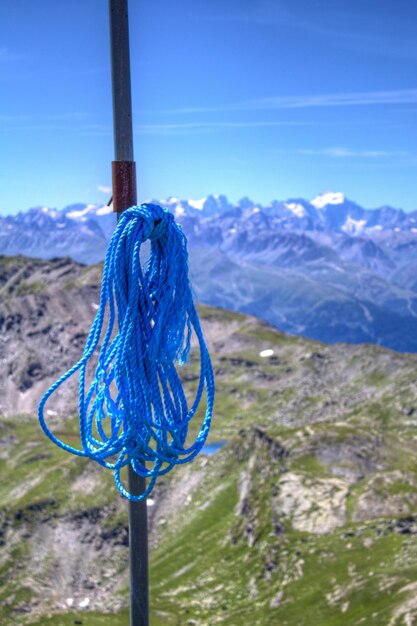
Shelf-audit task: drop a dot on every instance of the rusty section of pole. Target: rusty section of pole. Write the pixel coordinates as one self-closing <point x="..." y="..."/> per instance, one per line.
<point x="124" y="185"/>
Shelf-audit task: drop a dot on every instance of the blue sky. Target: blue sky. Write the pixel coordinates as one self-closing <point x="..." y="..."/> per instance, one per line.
<point x="262" y="98"/>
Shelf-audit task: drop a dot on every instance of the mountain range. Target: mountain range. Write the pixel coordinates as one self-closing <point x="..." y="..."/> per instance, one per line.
<point x="327" y="269"/>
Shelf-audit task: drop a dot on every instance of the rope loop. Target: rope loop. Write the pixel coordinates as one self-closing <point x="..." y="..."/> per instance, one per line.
<point x="135" y="410"/>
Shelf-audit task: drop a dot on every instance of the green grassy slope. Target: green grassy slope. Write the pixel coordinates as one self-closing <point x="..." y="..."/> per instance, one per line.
<point x="306" y="516"/>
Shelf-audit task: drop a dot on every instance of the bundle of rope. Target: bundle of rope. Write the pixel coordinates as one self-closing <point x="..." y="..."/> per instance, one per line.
<point x="135" y="408"/>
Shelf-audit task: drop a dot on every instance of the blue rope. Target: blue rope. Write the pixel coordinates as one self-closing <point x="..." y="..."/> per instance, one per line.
<point x="135" y="409"/>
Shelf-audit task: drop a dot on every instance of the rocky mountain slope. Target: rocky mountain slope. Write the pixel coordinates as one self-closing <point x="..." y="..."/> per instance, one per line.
<point x="305" y="516"/>
<point x="326" y="269"/>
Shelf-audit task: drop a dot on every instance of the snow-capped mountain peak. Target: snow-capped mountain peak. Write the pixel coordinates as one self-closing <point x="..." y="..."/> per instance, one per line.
<point x="328" y="198"/>
<point x="197" y="204"/>
<point x="43" y="210"/>
<point x="296" y="208"/>
<point x="76" y="214"/>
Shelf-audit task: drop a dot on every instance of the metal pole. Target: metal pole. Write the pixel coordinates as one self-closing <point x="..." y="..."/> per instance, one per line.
<point x="124" y="196"/>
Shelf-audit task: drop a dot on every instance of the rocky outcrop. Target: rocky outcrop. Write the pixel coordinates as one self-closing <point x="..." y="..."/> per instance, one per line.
<point x="312" y="505"/>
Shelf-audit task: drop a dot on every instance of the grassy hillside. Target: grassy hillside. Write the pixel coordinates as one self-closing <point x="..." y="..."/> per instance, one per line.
<point x="306" y="516"/>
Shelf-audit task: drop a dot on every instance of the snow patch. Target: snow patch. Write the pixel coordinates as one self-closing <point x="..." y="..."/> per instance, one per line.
<point x="179" y="211"/>
<point x="74" y="215"/>
<point x="197" y="204"/>
<point x="51" y="212"/>
<point x="353" y="227"/>
<point x="295" y="208"/>
<point x="328" y="198"/>
<point x="266" y="353"/>
<point x="105" y="210"/>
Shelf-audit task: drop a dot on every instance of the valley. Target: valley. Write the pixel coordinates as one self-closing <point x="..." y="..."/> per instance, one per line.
<point x="305" y="516"/>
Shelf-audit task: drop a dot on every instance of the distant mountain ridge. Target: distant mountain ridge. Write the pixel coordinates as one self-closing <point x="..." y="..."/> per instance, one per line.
<point x="328" y="212"/>
<point x="327" y="268"/>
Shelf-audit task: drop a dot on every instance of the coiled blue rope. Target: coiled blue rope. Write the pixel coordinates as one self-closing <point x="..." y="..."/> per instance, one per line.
<point x="135" y="409"/>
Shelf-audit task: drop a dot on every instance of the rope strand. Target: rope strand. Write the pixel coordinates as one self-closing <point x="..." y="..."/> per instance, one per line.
<point x="135" y="409"/>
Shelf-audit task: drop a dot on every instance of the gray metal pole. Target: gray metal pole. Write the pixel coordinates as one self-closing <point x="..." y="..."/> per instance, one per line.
<point x="120" y="67"/>
<point x="124" y="196"/>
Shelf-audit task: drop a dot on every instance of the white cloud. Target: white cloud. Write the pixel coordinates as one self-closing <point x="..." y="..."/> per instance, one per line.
<point x="339" y="152"/>
<point x="207" y="127"/>
<point x="104" y="189"/>
<point x="360" y="98"/>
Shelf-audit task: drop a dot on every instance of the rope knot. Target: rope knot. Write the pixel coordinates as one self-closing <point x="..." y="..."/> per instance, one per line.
<point x="153" y="218"/>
